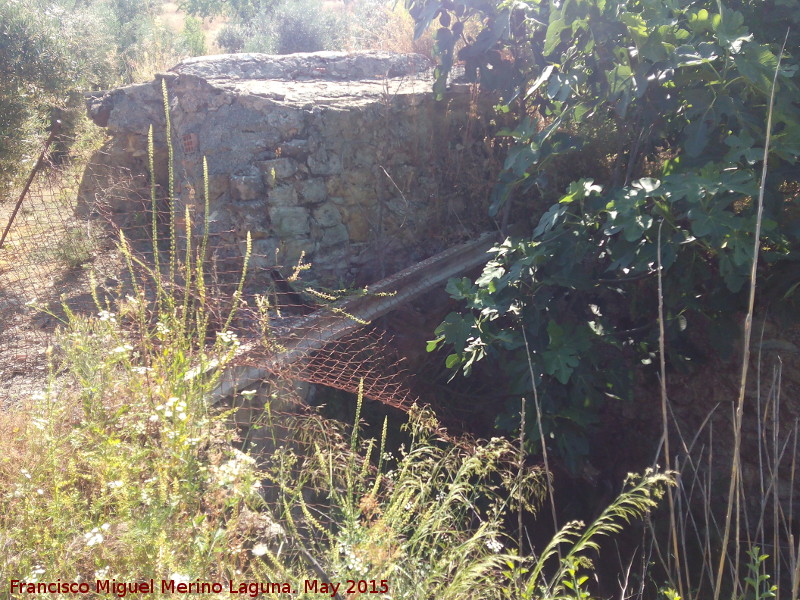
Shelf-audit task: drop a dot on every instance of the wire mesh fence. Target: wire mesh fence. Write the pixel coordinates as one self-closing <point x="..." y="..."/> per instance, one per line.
<point x="63" y="254"/>
<point x="41" y="273"/>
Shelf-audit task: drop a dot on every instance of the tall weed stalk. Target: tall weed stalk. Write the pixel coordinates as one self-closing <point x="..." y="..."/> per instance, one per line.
<point x="118" y="470"/>
<point x="721" y="545"/>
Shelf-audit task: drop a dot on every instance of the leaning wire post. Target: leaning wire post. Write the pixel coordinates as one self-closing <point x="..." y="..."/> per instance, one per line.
<point x="54" y="130"/>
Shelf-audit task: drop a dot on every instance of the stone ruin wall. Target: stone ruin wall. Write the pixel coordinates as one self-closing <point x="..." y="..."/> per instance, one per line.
<point x="349" y="158"/>
<point x="345" y="157"/>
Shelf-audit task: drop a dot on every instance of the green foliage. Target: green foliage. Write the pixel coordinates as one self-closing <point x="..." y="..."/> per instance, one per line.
<point x="239" y="10"/>
<point x="121" y="463"/>
<point x="301" y="26"/>
<point x="679" y="92"/>
<point x="52" y="52"/>
<point x="572" y="546"/>
<point x="192" y="37"/>
<point x="144" y="46"/>
<point x="232" y="38"/>
<point x="123" y="459"/>
<point x="74" y="249"/>
<point x="428" y="519"/>
<point x="757" y="582"/>
<point x="285" y="27"/>
<point x="46" y="53"/>
<point x="127" y="11"/>
<point x="372" y="23"/>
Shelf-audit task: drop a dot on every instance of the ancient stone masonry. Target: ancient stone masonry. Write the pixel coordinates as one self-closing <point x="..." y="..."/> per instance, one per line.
<point x="346" y="157"/>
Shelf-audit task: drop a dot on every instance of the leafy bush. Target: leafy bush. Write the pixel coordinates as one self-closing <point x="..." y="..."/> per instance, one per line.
<point x="238" y="10"/>
<point x="294" y="26"/>
<point x="145" y="46"/>
<point x="272" y="26"/>
<point x="74" y="249"/>
<point x="381" y="25"/>
<point x="52" y="52"/>
<point x="192" y="38"/>
<point x="300" y="26"/>
<point x="46" y="52"/>
<point x="282" y="27"/>
<point x="232" y="38"/>
<point x="680" y="94"/>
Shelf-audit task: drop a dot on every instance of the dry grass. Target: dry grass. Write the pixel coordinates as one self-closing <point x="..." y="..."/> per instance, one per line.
<point x="751" y="550"/>
<point x="390" y="30"/>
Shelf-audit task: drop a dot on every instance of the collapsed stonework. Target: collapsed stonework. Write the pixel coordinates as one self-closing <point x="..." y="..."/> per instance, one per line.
<point x="347" y="158"/>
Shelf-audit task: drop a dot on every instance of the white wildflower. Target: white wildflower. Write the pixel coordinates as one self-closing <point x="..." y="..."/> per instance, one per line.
<point x="107" y="316"/>
<point x="228" y="337"/>
<point x="494" y="545"/>
<point x="38" y="570"/>
<point x="94" y="537"/>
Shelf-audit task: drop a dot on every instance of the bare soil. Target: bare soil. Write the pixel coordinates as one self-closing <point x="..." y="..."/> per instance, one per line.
<point x="45" y="270"/>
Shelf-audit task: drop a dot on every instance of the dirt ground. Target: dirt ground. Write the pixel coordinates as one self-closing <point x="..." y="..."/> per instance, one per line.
<point x="46" y="264"/>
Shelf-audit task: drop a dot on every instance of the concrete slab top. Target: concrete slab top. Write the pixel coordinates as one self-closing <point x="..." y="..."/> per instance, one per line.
<point x="325" y="92"/>
<point x="316" y="65"/>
